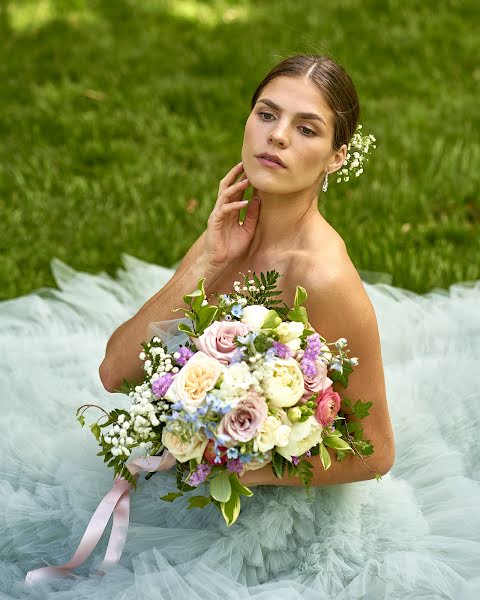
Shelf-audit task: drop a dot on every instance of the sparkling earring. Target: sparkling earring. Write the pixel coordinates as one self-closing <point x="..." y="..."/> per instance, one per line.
<point x="325" y="182"/>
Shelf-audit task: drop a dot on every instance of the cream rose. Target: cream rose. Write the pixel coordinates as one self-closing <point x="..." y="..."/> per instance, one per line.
<point x="283" y="382"/>
<point x="183" y="451"/>
<point x="253" y="316"/>
<point x="303" y="436"/>
<point x="194" y="380"/>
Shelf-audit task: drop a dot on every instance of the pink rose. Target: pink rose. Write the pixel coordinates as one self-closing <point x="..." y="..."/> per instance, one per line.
<point x="217" y="339"/>
<point x="328" y="405"/>
<point x="246" y="418"/>
<point x="317" y="383"/>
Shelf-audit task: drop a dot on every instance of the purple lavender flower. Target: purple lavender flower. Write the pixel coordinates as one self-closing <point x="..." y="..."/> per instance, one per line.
<point x="199" y="475"/>
<point x="161" y="385"/>
<point x="185" y="355"/>
<point x="282" y="350"/>
<point x="308" y="453"/>
<point x="295" y="460"/>
<point x="235" y="465"/>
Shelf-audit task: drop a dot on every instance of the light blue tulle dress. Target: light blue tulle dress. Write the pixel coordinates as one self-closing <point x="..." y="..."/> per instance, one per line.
<point x="413" y="535"/>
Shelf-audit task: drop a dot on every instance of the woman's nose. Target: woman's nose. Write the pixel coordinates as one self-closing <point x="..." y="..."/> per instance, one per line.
<point x="277" y="137"/>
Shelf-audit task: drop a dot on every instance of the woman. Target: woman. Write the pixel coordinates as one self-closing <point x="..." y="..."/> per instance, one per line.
<point x="404" y="537"/>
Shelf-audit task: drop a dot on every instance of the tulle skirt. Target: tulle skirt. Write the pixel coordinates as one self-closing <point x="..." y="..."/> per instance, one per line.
<point x="413" y="535"/>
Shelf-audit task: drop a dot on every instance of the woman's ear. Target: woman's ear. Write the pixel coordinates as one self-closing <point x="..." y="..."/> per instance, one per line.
<point x="338" y="159"/>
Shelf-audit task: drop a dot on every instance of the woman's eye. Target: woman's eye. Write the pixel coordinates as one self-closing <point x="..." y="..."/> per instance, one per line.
<point x="310" y="132"/>
<point x="266" y="113"/>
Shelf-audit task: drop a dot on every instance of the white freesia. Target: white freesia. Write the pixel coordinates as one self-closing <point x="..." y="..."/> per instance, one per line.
<point x="283" y="382"/>
<point x="303" y="436"/>
<point x="253" y="316"/>
<point x="198" y="376"/>
<point x="183" y="451"/>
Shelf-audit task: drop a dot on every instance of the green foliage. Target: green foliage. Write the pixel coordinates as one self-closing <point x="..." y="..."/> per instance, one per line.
<point x="171" y="496"/>
<point x="199" y="501"/>
<point x="220" y="487"/>
<point x="102" y="154"/>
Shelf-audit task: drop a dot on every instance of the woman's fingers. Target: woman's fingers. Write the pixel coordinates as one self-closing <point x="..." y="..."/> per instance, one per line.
<point x="230" y="177"/>
<point x="232" y="206"/>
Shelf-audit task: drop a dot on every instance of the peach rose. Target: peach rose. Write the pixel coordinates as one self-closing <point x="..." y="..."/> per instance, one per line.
<point x="217" y="339"/>
<point x="191" y="384"/>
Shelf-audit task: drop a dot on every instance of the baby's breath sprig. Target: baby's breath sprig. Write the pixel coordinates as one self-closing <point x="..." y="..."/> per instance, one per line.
<point x="357" y="150"/>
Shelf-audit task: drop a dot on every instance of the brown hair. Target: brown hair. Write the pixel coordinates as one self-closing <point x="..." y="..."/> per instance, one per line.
<point x="333" y="82"/>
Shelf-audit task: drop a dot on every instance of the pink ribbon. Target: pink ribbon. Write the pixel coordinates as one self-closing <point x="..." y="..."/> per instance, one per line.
<point x="116" y="501"/>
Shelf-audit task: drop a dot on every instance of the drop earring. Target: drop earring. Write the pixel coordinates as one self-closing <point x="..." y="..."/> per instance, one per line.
<point x="325" y="182"/>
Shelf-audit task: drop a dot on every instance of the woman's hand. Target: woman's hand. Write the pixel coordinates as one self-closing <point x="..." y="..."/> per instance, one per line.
<point x="226" y="239"/>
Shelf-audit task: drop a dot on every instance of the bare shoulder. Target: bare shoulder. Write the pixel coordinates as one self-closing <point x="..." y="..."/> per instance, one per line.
<point x="336" y="294"/>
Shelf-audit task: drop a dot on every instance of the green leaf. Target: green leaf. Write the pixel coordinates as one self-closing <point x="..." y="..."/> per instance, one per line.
<point x="298" y="314"/>
<point x="81" y="420"/>
<point x="278" y="464"/>
<point x="361" y="408"/>
<point x="198" y="502"/>
<point x="185" y="328"/>
<point x="238" y="487"/>
<point x="271" y="321"/>
<point x="170" y="497"/>
<point x="333" y="441"/>
<point x="378" y="476"/>
<point x="341" y="455"/>
<point x="325" y="457"/>
<point x="220" y="487"/>
<point x="300" y="296"/>
<point x="95" y="428"/>
<point x="231" y="509"/>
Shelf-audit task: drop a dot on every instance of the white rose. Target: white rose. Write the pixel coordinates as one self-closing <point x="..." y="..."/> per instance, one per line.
<point x="184" y="451"/>
<point x="282" y="436"/>
<point x="198" y="376"/>
<point x="268" y="433"/>
<point x="303" y="436"/>
<point x="289" y="330"/>
<point x="283" y="383"/>
<point x="253" y="316"/>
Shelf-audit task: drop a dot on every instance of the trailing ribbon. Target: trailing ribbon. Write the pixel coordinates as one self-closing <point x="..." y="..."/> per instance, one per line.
<point x="116" y="501"/>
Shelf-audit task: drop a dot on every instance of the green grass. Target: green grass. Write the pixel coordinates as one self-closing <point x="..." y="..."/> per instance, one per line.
<point x="118" y="119"/>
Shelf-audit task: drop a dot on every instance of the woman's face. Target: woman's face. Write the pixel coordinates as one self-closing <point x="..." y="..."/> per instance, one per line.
<point x="303" y="144"/>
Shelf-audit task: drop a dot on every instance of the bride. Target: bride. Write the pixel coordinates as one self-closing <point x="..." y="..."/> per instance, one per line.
<point x="403" y="537"/>
<point x="306" y="138"/>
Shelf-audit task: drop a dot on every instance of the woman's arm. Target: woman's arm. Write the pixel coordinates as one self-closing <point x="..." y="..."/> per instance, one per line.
<point x="340" y="307"/>
<point x="121" y="356"/>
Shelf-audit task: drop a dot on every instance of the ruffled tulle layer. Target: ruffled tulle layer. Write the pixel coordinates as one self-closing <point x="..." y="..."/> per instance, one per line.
<point x="413" y="535"/>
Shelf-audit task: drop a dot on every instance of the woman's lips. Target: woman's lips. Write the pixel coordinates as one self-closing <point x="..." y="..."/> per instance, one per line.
<point x="269" y="163"/>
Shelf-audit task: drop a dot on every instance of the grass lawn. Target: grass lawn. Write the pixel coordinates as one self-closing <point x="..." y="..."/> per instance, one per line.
<point x="118" y="119"/>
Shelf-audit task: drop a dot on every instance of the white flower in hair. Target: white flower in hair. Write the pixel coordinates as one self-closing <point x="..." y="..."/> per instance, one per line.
<point x="357" y="150"/>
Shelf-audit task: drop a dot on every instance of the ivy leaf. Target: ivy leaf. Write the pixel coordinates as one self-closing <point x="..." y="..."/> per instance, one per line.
<point x="198" y="502"/>
<point x="170" y="497"/>
<point x="361" y="408"/>
<point x="95" y="428"/>
<point x="81" y="420"/>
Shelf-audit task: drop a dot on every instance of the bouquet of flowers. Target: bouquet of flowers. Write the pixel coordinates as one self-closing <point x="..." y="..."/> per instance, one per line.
<point x="251" y="386"/>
